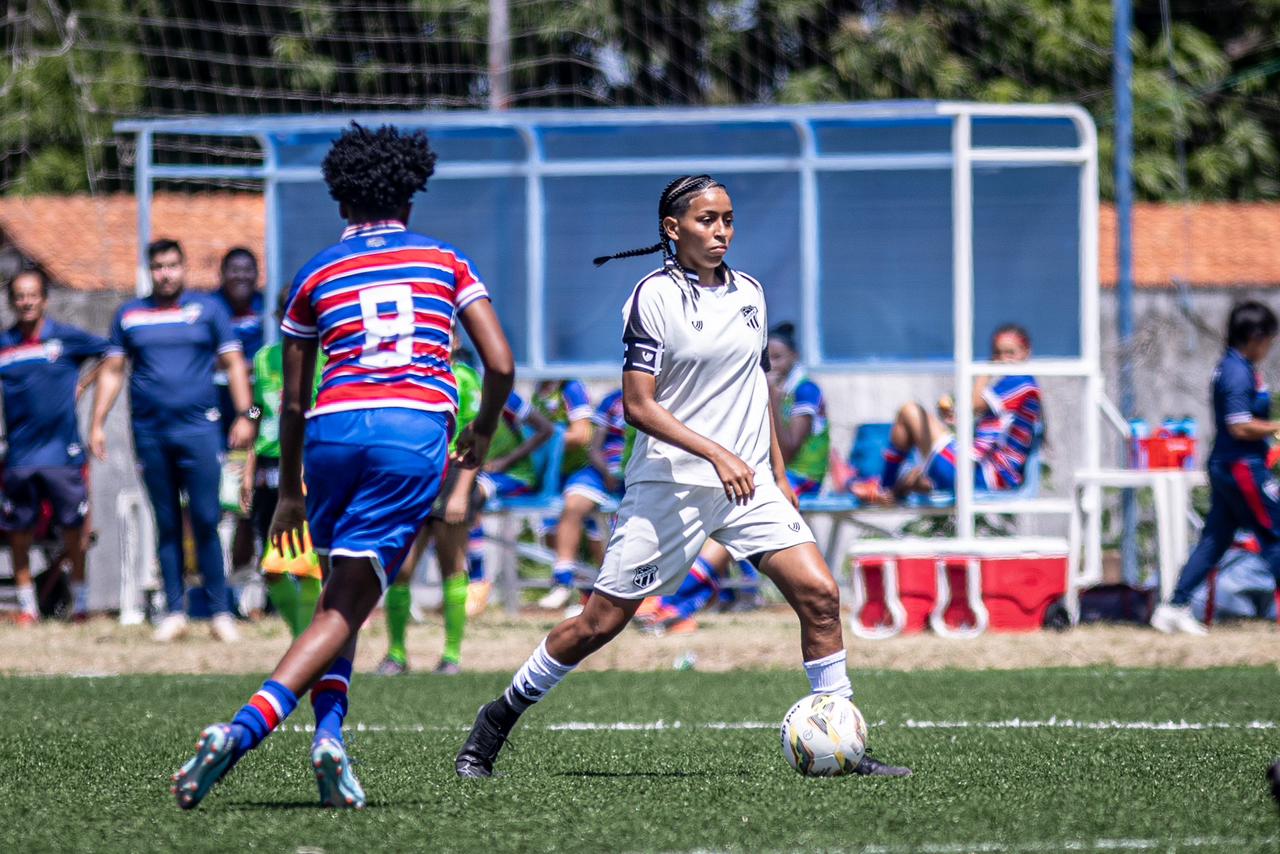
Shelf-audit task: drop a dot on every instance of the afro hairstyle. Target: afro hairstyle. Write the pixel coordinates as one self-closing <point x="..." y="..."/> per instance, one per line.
<point x="376" y="172"/>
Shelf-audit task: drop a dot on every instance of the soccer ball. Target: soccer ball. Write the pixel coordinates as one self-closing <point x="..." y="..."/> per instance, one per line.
<point x="824" y="735"/>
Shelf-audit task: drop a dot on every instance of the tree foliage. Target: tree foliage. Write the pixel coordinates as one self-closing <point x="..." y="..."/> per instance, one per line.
<point x="1207" y="108"/>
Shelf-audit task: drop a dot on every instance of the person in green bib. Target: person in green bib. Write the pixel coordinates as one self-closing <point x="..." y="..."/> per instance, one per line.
<point x="456" y="513"/>
<point x="293" y="581"/>
<point x="800" y="417"/>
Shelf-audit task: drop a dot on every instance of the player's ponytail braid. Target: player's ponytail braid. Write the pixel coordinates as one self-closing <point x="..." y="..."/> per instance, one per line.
<point x="674" y="201"/>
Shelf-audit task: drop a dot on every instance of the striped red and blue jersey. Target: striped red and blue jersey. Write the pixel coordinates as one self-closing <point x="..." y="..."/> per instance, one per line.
<point x="381" y="302"/>
<point x="1003" y="437"/>
<point x="38" y="377"/>
<point x="610" y="418"/>
<point x="172" y="350"/>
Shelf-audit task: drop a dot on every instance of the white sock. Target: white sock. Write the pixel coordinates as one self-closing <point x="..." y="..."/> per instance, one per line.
<point x="80" y="596"/>
<point x="828" y="675"/>
<point x="27" y="599"/>
<point x="535" y="678"/>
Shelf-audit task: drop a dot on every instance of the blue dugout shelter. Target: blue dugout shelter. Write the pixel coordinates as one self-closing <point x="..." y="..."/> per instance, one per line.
<point x="895" y="235"/>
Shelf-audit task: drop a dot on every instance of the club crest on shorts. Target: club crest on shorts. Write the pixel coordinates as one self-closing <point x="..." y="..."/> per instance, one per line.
<point x="752" y="315"/>
<point x="645" y="575"/>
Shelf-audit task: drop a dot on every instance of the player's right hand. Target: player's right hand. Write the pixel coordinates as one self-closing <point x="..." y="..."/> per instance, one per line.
<point x="738" y="478"/>
<point x="471" y="449"/>
<point x="98" y="443"/>
<point x="286" y="532"/>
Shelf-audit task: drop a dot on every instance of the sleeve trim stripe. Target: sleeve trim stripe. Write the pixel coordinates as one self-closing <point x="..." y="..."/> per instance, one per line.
<point x="1239" y="418"/>
<point x="231" y="347"/>
<point x="297" y="330"/>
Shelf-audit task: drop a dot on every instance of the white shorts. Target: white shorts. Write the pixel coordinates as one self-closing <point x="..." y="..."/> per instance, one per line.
<point x="662" y="526"/>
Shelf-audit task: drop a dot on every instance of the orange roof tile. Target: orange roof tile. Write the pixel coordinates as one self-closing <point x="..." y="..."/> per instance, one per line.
<point x="1209" y="244"/>
<point x="1217" y="244"/>
<point x="89" y="242"/>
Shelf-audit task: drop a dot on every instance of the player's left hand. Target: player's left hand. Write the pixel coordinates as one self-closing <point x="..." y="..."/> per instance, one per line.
<point x="287" y="525"/>
<point x="241" y="435"/>
<point x="788" y="493"/>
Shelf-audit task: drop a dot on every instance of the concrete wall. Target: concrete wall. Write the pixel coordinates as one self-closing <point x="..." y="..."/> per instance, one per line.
<point x="1176" y="345"/>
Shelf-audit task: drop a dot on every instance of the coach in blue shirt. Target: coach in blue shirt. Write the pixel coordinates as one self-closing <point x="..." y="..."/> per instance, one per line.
<point x="40" y="361"/>
<point x="172" y="340"/>
<point x="1244" y="494"/>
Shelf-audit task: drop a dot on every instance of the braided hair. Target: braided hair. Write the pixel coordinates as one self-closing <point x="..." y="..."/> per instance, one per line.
<point x="674" y="201"/>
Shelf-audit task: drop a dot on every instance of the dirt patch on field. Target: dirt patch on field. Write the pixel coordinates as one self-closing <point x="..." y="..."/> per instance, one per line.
<point x="495" y="641"/>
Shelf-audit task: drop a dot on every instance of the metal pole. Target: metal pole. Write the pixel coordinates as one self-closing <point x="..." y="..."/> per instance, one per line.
<point x="1123" y="85"/>
<point x="962" y="326"/>
<point x="142" y="196"/>
<point x="499" y="55"/>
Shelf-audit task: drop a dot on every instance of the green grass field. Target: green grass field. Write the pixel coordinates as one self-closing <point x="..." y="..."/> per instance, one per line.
<point x="1045" y="760"/>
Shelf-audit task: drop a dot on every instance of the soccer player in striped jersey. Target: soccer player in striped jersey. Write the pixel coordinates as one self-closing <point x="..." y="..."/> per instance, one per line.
<point x="381" y="304"/>
<point x="706" y="465"/>
<point x="1009" y="422"/>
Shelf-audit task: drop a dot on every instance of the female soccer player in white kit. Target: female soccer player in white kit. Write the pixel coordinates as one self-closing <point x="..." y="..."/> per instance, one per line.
<point x="706" y="463"/>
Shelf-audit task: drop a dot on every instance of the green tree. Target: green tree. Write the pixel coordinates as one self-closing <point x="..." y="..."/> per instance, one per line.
<point x="59" y="97"/>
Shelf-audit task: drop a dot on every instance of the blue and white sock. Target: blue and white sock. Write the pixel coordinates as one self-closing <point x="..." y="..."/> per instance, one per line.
<point x="829" y="675"/>
<point x="329" y="700"/>
<point x="263" y="713"/>
<point x="535" y="678"/>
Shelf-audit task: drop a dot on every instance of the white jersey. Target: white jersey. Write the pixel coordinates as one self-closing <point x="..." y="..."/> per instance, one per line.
<point x="706" y="347"/>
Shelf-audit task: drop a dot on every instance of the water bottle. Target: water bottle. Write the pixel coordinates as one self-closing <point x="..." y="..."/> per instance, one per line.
<point x="1138" y="430"/>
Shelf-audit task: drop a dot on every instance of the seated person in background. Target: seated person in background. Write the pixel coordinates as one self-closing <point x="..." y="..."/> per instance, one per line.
<point x="509" y="470"/>
<point x="1008" y="418"/>
<point x="567" y="403"/>
<point x="799" y="413"/>
<point x="800" y="417"/>
<point x="585" y="491"/>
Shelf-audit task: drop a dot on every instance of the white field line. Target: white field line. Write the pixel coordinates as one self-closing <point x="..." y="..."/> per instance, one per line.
<point x="910" y="723"/>
<point x="1220" y="843"/>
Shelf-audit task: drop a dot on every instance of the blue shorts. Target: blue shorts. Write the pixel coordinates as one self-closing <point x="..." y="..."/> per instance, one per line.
<point x="588" y="482"/>
<point x="802" y="486"/>
<point x="372" y="475"/>
<point x="499" y="484"/>
<point x="26" y="487"/>
<point x="940" y="468"/>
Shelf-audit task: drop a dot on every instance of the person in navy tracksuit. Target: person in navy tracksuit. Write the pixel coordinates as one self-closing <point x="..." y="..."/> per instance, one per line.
<point x="1244" y="494"/>
<point x="40" y="380"/>
<point x="172" y="339"/>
